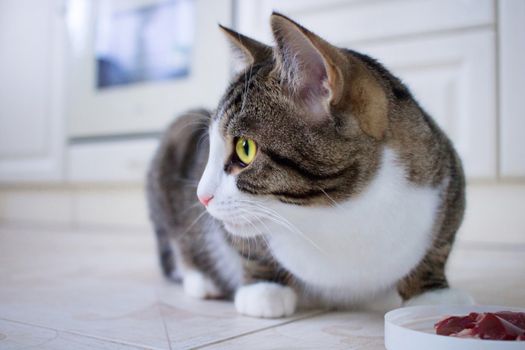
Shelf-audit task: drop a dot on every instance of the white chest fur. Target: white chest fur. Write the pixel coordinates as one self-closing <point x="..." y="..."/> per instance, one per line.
<point x="363" y="246"/>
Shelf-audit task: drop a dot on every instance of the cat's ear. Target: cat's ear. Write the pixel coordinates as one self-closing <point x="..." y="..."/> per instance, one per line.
<point x="246" y="51"/>
<point x="322" y="78"/>
<point x="308" y="66"/>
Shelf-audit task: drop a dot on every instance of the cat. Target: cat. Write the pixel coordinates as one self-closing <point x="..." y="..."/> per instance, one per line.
<point x="321" y="182"/>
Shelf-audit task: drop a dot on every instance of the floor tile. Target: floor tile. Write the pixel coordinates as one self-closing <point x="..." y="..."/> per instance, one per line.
<point x="104" y="290"/>
<point x="191" y="322"/>
<point x="16" y="336"/>
<point x="494" y="276"/>
<point x="341" y="330"/>
<point x="107" y="286"/>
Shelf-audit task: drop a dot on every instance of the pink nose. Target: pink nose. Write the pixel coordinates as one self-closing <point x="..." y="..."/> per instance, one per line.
<point x="205" y="200"/>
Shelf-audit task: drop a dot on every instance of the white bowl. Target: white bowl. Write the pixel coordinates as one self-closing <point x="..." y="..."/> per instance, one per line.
<point x="412" y="328"/>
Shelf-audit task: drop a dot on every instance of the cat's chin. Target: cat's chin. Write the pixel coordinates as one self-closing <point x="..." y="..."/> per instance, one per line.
<point x="241" y="230"/>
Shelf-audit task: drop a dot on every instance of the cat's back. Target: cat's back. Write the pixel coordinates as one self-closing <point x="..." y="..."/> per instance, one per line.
<point x="177" y="166"/>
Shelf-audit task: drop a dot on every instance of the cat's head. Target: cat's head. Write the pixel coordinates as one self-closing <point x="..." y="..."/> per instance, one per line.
<point x="301" y="125"/>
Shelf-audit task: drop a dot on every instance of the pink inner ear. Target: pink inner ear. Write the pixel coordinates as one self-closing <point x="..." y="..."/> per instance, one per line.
<point x="314" y="82"/>
<point x="312" y="90"/>
<point x="305" y="72"/>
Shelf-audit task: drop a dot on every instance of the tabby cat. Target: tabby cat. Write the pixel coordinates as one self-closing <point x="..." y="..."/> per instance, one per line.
<point x="321" y="182"/>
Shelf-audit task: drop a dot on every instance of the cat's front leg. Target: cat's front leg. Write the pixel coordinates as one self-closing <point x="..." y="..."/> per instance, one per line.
<point x="266" y="300"/>
<point x="441" y="296"/>
<point x="197" y="285"/>
<point x="428" y="285"/>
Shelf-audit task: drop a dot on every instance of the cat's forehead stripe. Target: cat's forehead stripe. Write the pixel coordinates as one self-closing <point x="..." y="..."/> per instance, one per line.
<point x="234" y="98"/>
<point x="226" y="99"/>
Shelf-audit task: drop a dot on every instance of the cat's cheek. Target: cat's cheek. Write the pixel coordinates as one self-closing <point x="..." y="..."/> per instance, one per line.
<point x="223" y="206"/>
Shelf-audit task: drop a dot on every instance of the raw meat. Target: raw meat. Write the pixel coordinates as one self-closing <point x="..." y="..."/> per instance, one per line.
<point x="503" y="325"/>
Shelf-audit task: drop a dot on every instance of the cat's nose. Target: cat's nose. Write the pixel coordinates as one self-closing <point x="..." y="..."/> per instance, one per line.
<point x="205" y="199"/>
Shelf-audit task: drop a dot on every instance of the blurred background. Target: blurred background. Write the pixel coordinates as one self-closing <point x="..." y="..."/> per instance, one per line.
<point x="87" y="87"/>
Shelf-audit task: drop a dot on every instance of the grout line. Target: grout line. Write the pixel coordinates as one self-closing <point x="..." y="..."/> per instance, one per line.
<point x="100" y="139"/>
<point x="48" y="341"/>
<point x="113" y="341"/>
<point x="159" y="307"/>
<point x="305" y="317"/>
<point x="57" y="330"/>
<point x="422" y="35"/>
<point x="497" y="88"/>
<point x="109" y="230"/>
<point x="29" y="324"/>
<point x="492" y="246"/>
<point x="337" y="6"/>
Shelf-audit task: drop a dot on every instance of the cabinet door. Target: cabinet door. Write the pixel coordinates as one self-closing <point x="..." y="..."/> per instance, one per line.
<point x="453" y="78"/>
<point x="30" y="90"/>
<point x="443" y="50"/>
<point x="512" y="87"/>
<point x="358" y="20"/>
<point x="150" y="103"/>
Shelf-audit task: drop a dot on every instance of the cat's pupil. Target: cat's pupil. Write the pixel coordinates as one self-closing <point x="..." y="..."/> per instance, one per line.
<point x="246" y="147"/>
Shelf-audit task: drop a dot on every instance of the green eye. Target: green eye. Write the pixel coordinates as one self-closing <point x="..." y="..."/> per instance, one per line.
<point x="245" y="149"/>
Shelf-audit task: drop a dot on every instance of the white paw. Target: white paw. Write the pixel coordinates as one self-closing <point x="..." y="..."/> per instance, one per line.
<point x="265" y="299"/>
<point x="441" y="296"/>
<point x="199" y="286"/>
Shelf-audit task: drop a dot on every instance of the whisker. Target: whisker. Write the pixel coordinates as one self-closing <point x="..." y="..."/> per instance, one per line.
<point x="189" y="208"/>
<point x="201" y="140"/>
<point x="263" y="236"/>
<point x="294" y="229"/>
<point x="248" y="237"/>
<point x="336" y="205"/>
<point x="347" y="239"/>
<point x="277" y="218"/>
<point x="184" y="180"/>
<point x="194" y="222"/>
<point x="200" y="123"/>
<point x="260" y="233"/>
<point x="245" y="88"/>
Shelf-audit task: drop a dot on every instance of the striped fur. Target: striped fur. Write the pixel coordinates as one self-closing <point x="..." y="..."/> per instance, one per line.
<point x="321" y="148"/>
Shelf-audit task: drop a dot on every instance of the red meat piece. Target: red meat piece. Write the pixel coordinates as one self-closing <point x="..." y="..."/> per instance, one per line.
<point x="503" y="325"/>
<point x="492" y="326"/>
<point x="455" y="324"/>
<point x="516" y="318"/>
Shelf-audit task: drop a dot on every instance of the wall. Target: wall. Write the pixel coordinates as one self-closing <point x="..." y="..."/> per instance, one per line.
<point x="96" y="180"/>
<point x="494" y="211"/>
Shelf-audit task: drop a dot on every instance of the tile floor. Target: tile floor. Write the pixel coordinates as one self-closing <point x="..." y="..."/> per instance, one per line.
<point x="102" y="290"/>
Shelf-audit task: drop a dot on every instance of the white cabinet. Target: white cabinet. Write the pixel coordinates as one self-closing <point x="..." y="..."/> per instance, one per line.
<point x="453" y="78"/>
<point x="444" y="51"/>
<point x="145" y="106"/>
<point x="462" y="59"/>
<point x="512" y="87"/>
<point x="114" y="161"/>
<point x="31" y="47"/>
<point x="358" y="20"/>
